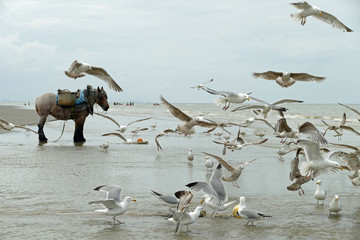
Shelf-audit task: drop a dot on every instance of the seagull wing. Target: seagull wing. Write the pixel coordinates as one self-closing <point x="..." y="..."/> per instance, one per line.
<point x="332" y="20"/>
<point x="269" y="75"/>
<point x="26" y="128"/>
<point x="306" y="77"/>
<point x="311" y="149"/>
<point x="139" y="120"/>
<point x="175" y="111"/>
<point x="109" y="203"/>
<point x="350" y="108"/>
<point x="103" y="75"/>
<point x="287" y="101"/>
<point x="246" y="163"/>
<point x="350" y="129"/>
<point x="112" y="191"/>
<point x="222" y="161"/>
<point x="266" y="122"/>
<point x="115" y="134"/>
<point x="301" y="5"/>
<point x="314" y="134"/>
<point x="217" y="184"/>
<point x="110" y="118"/>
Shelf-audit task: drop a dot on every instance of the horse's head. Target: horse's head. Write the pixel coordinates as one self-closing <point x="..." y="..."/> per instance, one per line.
<point x="101" y="99"/>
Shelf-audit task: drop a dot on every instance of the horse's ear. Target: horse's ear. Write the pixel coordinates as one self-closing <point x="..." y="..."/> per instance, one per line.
<point x="99" y="90"/>
<point x="102" y="88"/>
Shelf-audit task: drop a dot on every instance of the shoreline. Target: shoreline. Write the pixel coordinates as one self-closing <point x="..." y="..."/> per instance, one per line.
<point x="18" y="115"/>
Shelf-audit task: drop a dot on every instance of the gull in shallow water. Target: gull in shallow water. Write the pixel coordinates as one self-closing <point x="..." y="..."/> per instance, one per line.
<point x="287" y="79"/>
<point x="77" y="70"/>
<point x="249" y="214"/>
<point x="235" y="172"/>
<point x="105" y="146"/>
<point x="183" y="216"/>
<point x="320" y="194"/>
<point x="295" y="175"/>
<point x="316" y="163"/>
<point x="335" y="206"/>
<point x="112" y="204"/>
<point x="215" y="204"/>
<point x="9" y="126"/>
<point x="310" y="10"/>
<point x="126" y="141"/>
<point x="188" y="127"/>
<point x="190" y="155"/>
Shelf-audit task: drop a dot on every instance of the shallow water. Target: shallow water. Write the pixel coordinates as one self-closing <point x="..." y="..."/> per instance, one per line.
<point x="45" y="189"/>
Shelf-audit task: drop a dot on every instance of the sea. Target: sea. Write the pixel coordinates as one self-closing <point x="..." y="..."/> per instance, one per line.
<point x="45" y="189"/>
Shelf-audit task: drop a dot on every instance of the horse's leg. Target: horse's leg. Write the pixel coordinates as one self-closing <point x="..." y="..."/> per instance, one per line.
<point x="79" y="128"/>
<point x="41" y="124"/>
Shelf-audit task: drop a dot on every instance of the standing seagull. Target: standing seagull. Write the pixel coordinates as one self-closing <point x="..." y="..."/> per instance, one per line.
<point x="112" y="204"/>
<point x="77" y="70"/>
<point x="235" y="172"/>
<point x="287" y="79"/>
<point x="190" y="155"/>
<point x="320" y="193"/>
<point x="310" y="10"/>
<point x="105" y="145"/>
<point x="335" y="205"/>
<point x="249" y="214"/>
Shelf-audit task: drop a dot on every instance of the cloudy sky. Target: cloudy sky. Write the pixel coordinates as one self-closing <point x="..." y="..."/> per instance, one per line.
<point x="163" y="47"/>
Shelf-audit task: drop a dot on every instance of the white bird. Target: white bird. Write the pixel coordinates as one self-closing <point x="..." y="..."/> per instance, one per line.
<point x="320" y="194"/>
<point x="316" y="163"/>
<point x="126" y="141"/>
<point x="190" y="155"/>
<point x="112" y="204"/>
<point x="249" y="214"/>
<point x="105" y="145"/>
<point x="183" y="216"/>
<point x="77" y="70"/>
<point x="235" y="172"/>
<point x="188" y="127"/>
<point x="215" y="204"/>
<point x="214" y="188"/>
<point x="287" y="79"/>
<point x="202" y="85"/>
<point x="122" y="128"/>
<point x="335" y="206"/>
<point x="310" y="10"/>
<point x="208" y="163"/>
<point x="161" y="135"/>
<point x="266" y="107"/>
<point x="9" y="126"/>
<point x="228" y="97"/>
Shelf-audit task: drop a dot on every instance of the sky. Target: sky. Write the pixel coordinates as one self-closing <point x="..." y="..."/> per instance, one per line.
<point x="162" y="47"/>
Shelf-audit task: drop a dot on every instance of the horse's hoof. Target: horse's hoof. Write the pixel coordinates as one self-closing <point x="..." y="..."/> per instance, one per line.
<point x="43" y="140"/>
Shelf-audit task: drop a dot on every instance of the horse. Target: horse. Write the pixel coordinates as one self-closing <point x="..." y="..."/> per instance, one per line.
<point x="47" y="104"/>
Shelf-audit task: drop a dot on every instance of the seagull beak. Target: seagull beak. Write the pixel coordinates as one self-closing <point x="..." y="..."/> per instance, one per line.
<point x="134" y="200"/>
<point x="341" y="168"/>
<point x="320" y="14"/>
<point x="202" y="201"/>
<point x="248" y="99"/>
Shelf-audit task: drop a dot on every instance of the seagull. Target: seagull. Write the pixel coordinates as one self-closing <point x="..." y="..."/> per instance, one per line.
<point x="77" y="70"/>
<point x="214" y="188"/>
<point x="315" y="164"/>
<point x="287" y="79"/>
<point x="267" y="107"/>
<point x="122" y="128"/>
<point x="190" y="155"/>
<point x="335" y="128"/>
<point x="208" y="163"/>
<point x="215" y="204"/>
<point x="249" y="214"/>
<point x="183" y="216"/>
<point x="229" y="97"/>
<point x="105" y="145"/>
<point x="235" y="172"/>
<point x="335" y="205"/>
<point x="310" y="10"/>
<point x="170" y="200"/>
<point x="202" y="85"/>
<point x="161" y="135"/>
<point x="9" y="126"/>
<point x="283" y="130"/>
<point x="296" y="176"/>
<point x="112" y="204"/>
<point x="126" y="141"/>
<point x="320" y="193"/>
<point x="187" y="127"/>
<point x="238" y="143"/>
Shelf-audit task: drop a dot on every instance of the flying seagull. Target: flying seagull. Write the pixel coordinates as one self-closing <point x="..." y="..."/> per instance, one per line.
<point x="77" y="70"/>
<point x="202" y="85"/>
<point x="10" y="126"/>
<point x="310" y="10"/>
<point x="287" y="79"/>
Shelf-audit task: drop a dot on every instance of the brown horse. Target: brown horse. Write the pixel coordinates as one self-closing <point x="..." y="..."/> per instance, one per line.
<point x="46" y="104"/>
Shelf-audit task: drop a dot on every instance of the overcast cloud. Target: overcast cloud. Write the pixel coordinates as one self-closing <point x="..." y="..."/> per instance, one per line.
<point x="164" y="47"/>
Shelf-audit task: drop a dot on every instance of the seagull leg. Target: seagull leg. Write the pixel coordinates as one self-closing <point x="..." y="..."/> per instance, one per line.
<point x="117" y="220"/>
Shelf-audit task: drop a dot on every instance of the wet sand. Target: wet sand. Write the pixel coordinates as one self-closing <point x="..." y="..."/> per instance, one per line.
<point x="45" y="189"/>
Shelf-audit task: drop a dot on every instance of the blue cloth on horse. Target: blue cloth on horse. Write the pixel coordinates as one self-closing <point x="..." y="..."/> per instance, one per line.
<point x="81" y="99"/>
